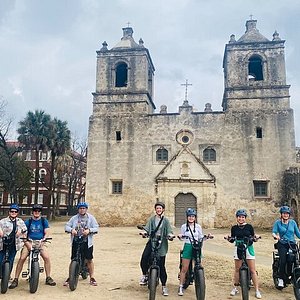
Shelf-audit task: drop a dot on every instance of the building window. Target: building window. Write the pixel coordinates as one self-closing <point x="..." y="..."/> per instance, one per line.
<point x="43" y="155"/>
<point x="255" y="68"/>
<point x="43" y="174"/>
<point x="260" y="188"/>
<point x="118" y="136"/>
<point x="185" y="170"/>
<point x="117" y="187"/>
<point x="28" y="155"/>
<point x="1" y="197"/>
<point x="259" y="132"/>
<point x="121" y="75"/>
<point x="40" y="198"/>
<point x="209" y="154"/>
<point x="162" y="154"/>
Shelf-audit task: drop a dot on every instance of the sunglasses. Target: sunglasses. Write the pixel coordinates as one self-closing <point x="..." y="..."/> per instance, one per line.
<point x="13" y="211"/>
<point x="36" y="210"/>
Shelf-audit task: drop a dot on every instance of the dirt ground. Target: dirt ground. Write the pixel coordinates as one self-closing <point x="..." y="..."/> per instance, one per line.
<point x="116" y="254"/>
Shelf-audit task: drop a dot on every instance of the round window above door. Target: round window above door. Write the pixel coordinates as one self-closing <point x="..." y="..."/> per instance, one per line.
<point x="184" y="137"/>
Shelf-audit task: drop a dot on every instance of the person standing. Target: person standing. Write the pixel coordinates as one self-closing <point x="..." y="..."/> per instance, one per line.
<point x="193" y="231"/>
<point x="83" y="224"/>
<point x="159" y="225"/>
<point x="15" y="228"/>
<point x="240" y="231"/>
<point x="37" y="229"/>
<point x="284" y="231"/>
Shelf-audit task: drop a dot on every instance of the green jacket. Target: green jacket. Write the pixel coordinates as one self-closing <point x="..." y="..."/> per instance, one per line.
<point x="165" y="231"/>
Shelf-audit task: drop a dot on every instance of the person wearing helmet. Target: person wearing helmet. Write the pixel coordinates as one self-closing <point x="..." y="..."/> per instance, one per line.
<point x="15" y="228"/>
<point x="240" y="231"/>
<point x="193" y="230"/>
<point x="83" y="224"/>
<point x="284" y="231"/>
<point x="160" y="225"/>
<point x="37" y="229"/>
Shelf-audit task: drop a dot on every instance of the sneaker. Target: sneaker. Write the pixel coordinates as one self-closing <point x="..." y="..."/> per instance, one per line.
<point x="50" y="281"/>
<point x="93" y="281"/>
<point x="180" y="291"/>
<point x="144" y="280"/>
<point x="234" y="291"/>
<point x="280" y="283"/>
<point x="14" y="283"/>
<point x="258" y="294"/>
<point x="165" y="291"/>
<point x="66" y="283"/>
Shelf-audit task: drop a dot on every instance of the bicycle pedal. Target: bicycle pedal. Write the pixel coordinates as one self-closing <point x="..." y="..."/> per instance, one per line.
<point x="41" y="269"/>
<point x="24" y="274"/>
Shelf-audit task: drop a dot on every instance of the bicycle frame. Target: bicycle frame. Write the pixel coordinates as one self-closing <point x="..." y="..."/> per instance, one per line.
<point x="78" y="241"/>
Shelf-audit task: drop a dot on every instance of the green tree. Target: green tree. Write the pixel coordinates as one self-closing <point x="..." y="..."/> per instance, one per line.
<point x="34" y="134"/>
<point x="58" y="143"/>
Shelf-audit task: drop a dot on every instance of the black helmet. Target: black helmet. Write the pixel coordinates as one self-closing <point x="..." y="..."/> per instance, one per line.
<point x="37" y="207"/>
<point x="159" y="203"/>
<point x="241" y="212"/>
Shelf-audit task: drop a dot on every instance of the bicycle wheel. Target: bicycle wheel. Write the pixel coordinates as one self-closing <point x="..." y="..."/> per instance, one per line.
<point x="5" y="277"/>
<point x="73" y="274"/>
<point x="199" y="284"/>
<point x="244" y="280"/>
<point x="152" y="283"/>
<point x="296" y="292"/>
<point x="34" y="276"/>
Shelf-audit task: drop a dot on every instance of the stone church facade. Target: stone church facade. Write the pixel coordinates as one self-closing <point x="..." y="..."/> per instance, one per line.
<point x="214" y="161"/>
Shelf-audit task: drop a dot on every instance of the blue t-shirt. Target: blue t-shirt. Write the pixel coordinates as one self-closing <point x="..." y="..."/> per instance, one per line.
<point x="287" y="231"/>
<point x="36" y="230"/>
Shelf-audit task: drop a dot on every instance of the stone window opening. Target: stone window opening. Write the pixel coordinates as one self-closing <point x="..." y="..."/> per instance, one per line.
<point x="255" y="68"/>
<point x="259" y="132"/>
<point x="185" y="170"/>
<point x="118" y="136"/>
<point x="42" y="173"/>
<point x="117" y="187"/>
<point x="209" y="154"/>
<point x="121" y="75"/>
<point x="260" y="188"/>
<point x="162" y="154"/>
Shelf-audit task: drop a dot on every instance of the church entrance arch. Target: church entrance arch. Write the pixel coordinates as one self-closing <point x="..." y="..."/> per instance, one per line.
<point x="182" y="202"/>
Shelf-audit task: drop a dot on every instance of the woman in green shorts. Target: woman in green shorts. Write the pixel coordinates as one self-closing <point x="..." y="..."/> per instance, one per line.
<point x="194" y="231"/>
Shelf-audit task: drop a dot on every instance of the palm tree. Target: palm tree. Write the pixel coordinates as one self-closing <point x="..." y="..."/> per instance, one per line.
<point x="33" y="133"/>
<point x="58" y="143"/>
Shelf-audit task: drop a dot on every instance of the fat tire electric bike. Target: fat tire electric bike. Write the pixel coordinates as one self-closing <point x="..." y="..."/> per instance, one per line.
<point x="34" y="269"/>
<point x="292" y="268"/>
<point x="78" y="264"/>
<point x="244" y="272"/>
<point x="195" y="272"/>
<point x="154" y="269"/>
<point x="5" y="264"/>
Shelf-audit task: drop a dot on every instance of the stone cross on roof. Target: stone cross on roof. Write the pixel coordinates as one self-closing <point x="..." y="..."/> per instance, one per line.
<point x="186" y="84"/>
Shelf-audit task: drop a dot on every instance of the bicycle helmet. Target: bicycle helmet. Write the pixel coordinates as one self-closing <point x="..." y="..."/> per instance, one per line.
<point x="37" y="207"/>
<point x="241" y="212"/>
<point x="191" y="212"/>
<point x="82" y="204"/>
<point x="285" y="209"/>
<point x="14" y="206"/>
<point x="159" y="203"/>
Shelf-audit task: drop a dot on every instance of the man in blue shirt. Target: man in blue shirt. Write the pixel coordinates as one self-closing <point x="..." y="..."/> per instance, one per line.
<point x="38" y="229"/>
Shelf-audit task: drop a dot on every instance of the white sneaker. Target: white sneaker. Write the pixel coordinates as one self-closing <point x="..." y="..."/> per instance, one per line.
<point x="258" y="294"/>
<point x="280" y="283"/>
<point x="165" y="291"/>
<point x="180" y="291"/>
<point x="234" y="291"/>
<point x="143" y="280"/>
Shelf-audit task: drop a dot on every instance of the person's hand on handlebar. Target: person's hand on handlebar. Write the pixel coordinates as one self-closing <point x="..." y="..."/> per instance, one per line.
<point x="86" y="232"/>
<point x="74" y="231"/>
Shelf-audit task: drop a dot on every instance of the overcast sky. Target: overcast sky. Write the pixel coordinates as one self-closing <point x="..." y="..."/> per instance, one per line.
<point x="48" y="49"/>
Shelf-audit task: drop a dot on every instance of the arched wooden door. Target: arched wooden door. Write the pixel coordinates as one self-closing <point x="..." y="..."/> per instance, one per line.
<point x="182" y="202"/>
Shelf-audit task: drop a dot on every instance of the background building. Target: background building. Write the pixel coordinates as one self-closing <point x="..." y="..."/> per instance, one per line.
<point x="213" y="161"/>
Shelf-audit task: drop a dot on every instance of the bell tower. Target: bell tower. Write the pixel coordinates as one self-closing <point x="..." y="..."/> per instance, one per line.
<point x="124" y="78"/>
<point x="254" y="72"/>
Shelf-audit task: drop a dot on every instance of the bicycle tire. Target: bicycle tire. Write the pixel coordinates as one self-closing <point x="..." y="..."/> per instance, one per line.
<point x="244" y="282"/>
<point x="199" y="284"/>
<point x="296" y="292"/>
<point x="152" y="283"/>
<point x="34" y="276"/>
<point x="73" y="275"/>
<point x="5" y="277"/>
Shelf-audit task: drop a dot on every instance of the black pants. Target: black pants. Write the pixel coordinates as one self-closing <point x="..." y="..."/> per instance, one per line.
<point x="282" y="251"/>
<point x="161" y="262"/>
